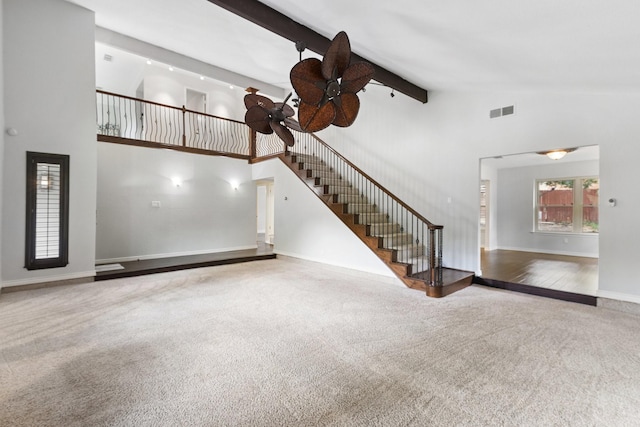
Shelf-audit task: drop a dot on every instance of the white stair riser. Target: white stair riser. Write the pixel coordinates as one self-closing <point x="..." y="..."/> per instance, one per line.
<point x="361" y="208"/>
<point x="339" y="189"/>
<point x="316" y="169"/>
<point x="334" y="181"/>
<point x="372" y="218"/>
<point x="397" y="240"/>
<point x="351" y="198"/>
<point x="324" y="174"/>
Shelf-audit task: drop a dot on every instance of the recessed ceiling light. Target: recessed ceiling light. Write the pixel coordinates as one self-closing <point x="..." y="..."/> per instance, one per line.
<point x="230" y="87"/>
<point x="148" y="62"/>
<point x="170" y="68"/>
<point x="201" y="77"/>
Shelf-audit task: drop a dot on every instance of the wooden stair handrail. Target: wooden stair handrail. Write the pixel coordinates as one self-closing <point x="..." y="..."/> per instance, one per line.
<point x="430" y="225"/>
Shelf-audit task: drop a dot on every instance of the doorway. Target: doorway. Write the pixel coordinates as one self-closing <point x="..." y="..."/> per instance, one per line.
<point x="514" y="245"/>
<point x="196" y="101"/>
<point x="265" y="212"/>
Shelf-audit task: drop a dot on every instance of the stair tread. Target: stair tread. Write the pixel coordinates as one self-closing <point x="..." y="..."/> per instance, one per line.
<point x="324" y="174"/>
<point x="407" y="245"/>
<point x="402" y="233"/>
<point x="336" y="189"/>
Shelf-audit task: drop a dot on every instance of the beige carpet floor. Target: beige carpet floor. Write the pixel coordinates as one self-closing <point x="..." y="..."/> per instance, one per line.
<point x="292" y="343"/>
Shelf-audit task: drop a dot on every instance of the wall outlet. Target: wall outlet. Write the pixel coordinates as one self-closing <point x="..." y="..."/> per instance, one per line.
<point x="155" y="204"/>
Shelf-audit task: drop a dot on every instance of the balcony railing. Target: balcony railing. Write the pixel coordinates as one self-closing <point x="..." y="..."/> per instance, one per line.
<point x="123" y="119"/>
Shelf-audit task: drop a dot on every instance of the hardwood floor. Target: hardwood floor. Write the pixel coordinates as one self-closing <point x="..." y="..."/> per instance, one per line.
<point x="577" y="275"/>
<point x="160" y="265"/>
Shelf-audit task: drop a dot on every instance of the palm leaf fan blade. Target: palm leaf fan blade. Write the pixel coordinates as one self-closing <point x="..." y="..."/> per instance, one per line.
<point x="257" y="118"/>
<point x="307" y="80"/>
<point x="253" y="99"/>
<point x="314" y="119"/>
<point x="293" y="124"/>
<point x="356" y="77"/>
<point x="337" y="58"/>
<point x="346" y="110"/>
<point x="283" y="133"/>
<point x="287" y="110"/>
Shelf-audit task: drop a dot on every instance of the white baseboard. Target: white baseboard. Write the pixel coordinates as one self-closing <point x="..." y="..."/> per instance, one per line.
<point x="173" y="254"/>
<point x="541" y="251"/>
<point x="390" y="277"/>
<point x="619" y="296"/>
<point x="48" y="279"/>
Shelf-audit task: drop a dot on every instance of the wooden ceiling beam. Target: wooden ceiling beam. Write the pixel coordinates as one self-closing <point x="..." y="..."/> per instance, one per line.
<point x="278" y="23"/>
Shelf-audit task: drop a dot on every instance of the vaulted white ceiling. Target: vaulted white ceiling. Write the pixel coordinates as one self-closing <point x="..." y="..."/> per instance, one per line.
<point x="543" y="45"/>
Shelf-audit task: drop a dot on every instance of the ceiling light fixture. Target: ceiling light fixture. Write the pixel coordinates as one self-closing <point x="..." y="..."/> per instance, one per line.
<point x="557" y="154"/>
<point x="148" y="62"/>
<point x="201" y="77"/>
<point x="170" y="68"/>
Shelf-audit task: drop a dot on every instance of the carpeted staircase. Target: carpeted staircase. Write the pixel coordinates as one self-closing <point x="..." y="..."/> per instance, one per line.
<point x="404" y="253"/>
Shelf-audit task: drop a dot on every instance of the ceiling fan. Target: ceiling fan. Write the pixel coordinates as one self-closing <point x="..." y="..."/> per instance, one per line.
<point x="326" y="94"/>
<point x="265" y="116"/>
<point x="327" y="89"/>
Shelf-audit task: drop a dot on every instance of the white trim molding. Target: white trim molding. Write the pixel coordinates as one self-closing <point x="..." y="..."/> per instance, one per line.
<point x="49" y="279"/>
<point x="545" y="251"/>
<point x="387" y="278"/>
<point x="618" y="296"/>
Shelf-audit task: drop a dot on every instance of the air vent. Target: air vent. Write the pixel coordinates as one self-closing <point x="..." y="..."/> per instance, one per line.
<point x="108" y="57"/>
<point x="499" y="112"/>
<point x="507" y="110"/>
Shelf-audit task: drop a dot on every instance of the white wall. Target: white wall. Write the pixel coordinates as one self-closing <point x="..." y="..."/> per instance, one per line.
<point x="429" y="154"/>
<point x="2" y="128"/>
<point x="169" y="87"/>
<point x="515" y="211"/>
<point x="261" y="214"/>
<point x="490" y="174"/>
<point x="204" y="214"/>
<point x="158" y="54"/>
<point x="49" y="98"/>
<point x="306" y="228"/>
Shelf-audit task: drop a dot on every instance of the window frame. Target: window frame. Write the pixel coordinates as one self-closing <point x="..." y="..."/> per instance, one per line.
<point x="32" y="262"/>
<point x="577" y="205"/>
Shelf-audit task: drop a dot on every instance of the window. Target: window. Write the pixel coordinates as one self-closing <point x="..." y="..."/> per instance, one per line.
<point x="47" y="211"/>
<point x="567" y="205"/>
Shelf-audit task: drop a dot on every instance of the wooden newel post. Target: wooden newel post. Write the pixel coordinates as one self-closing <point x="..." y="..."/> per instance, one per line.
<point x="252" y="133"/>
<point x="184" y="128"/>
<point x="432" y="257"/>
